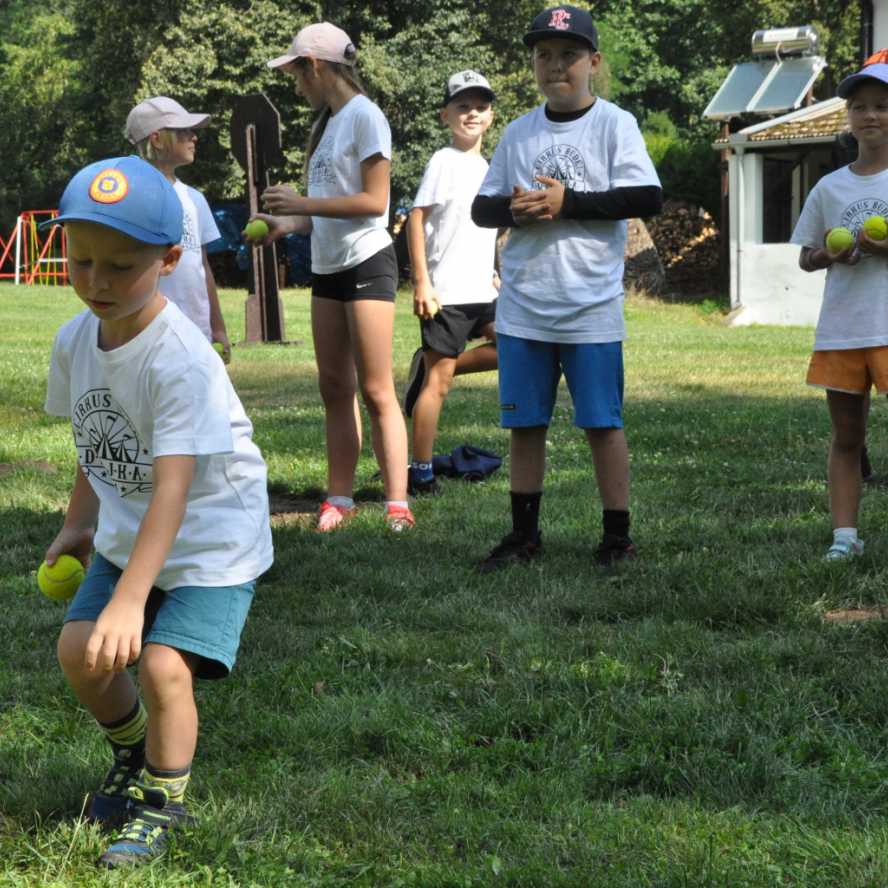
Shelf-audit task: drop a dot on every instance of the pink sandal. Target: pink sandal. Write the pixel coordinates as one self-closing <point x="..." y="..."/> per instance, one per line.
<point x="398" y="519"/>
<point x="331" y="517"/>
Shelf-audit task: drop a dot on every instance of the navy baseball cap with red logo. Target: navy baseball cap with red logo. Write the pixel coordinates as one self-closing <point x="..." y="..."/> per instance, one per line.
<point x="563" y="21"/>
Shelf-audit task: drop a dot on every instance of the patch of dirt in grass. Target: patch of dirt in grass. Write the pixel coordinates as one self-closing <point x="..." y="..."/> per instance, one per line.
<point x="39" y="465"/>
<point x="856" y="614"/>
<point x="287" y="509"/>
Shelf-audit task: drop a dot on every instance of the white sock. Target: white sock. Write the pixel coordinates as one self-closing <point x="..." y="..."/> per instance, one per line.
<point x="341" y="502"/>
<point x="398" y="504"/>
<point x="845" y="534"/>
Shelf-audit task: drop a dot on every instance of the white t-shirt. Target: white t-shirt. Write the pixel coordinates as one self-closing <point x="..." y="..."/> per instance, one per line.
<point x="562" y="281"/>
<point x="357" y="131"/>
<point x="164" y="392"/>
<point x="854" y="313"/>
<point x="187" y="285"/>
<point x="459" y="254"/>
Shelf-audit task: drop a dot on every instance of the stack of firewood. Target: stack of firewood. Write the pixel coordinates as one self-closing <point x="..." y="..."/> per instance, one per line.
<point x="686" y="238"/>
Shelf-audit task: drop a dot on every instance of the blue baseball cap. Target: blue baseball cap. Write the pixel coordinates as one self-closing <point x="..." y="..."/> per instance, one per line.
<point x="877" y="72"/>
<point x="127" y="194"/>
<point x="563" y="21"/>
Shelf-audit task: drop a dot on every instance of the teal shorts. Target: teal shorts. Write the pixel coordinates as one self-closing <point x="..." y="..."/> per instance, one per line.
<point x="202" y="620"/>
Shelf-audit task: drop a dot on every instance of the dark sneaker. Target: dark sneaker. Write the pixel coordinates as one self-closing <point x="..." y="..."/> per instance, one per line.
<point x="108" y="806"/>
<point x="512" y="549"/>
<point x="415" y="379"/>
<point x="422" y="488"/>
<point x="613" y="549"/>
<point x="145" y="835"/>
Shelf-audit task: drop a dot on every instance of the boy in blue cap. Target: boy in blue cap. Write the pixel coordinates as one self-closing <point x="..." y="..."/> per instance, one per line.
<point x="169" y="489"/>
<point x="564" y="179"/>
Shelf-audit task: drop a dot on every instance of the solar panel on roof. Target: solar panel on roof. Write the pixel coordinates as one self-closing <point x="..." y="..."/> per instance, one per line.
<point x="787" y="87"/>
<point x="738" y="90"/>
<point x="767" y="87"/>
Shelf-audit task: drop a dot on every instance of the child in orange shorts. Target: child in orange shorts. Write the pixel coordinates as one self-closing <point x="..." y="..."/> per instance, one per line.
<point x="851" y="343"/>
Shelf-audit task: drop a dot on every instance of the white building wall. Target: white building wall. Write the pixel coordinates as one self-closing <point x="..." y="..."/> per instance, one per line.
<point x="880" y="26"/>
<point x="767" y="285"/>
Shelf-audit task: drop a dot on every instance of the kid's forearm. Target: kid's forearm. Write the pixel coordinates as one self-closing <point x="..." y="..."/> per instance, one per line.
<point x="416" y="247"/>
<point x="157" y="532"/>
<point x="635" y="202"/>
<point x="349" y="206"/>
<point x="217" y="322"/>
<point x="83" y="504"/>
<point x="814" y="259"/>
<point x="492" y="211"/>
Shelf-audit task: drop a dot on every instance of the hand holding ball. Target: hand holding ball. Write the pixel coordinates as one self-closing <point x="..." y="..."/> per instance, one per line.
<point x="838" y="240"/>
<point x="256" y="230"/>
<point x="876" y="228"/>
<point x="60" y="581"/>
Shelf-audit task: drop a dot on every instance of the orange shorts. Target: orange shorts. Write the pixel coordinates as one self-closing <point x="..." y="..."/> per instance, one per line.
<point x="852" y="370"/>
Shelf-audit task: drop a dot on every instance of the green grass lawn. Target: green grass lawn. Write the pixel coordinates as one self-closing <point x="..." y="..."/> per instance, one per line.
<point x="396" y="720"/>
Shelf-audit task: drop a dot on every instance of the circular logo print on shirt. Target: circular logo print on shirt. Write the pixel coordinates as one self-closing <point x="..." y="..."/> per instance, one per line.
<point x="561" y="162"/>
<point x="109" y="186"/>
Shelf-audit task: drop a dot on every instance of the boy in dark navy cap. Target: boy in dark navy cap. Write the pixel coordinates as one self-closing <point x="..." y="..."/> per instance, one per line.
<point x="169" y="508"/>
<point x="565" y="178"/>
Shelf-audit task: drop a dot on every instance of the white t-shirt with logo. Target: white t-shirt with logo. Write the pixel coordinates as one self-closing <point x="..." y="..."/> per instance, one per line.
<point x="562" y="281"/>
<point x="165" y="392"/>
<point x="854" y="313"/>
<point x="459" y="254"/>
<point x="357" y="131"/>
<point x="187" y="285"/>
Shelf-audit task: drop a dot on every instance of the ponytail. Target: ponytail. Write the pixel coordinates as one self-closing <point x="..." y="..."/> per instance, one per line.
<point x="350" y="76"/>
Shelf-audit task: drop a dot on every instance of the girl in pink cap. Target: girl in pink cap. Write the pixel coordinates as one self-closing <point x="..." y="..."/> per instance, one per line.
<point x="354" y="270"/>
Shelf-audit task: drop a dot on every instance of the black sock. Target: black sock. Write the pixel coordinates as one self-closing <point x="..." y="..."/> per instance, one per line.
<point x="526" y="514"/>
<point x="616" y="522"/>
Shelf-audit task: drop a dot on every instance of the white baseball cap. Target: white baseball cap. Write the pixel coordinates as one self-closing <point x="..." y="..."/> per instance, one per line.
<point x="160" y="113"/>
<point x="319" y="41"/>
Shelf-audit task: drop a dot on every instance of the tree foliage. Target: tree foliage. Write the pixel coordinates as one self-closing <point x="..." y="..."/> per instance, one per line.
<point x="70" y="70"/>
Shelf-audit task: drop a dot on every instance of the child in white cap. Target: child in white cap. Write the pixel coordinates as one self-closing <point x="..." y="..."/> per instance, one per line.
<point x="452" y="267"/>
<point x="354" y="269"/>
<point x="165" y="135"/>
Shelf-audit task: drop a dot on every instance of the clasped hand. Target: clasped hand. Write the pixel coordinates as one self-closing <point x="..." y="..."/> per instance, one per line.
<point x="538" y="205"/>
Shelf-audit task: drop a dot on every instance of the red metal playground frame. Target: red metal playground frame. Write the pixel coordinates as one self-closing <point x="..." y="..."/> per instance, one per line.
<point x="32" y="255"/>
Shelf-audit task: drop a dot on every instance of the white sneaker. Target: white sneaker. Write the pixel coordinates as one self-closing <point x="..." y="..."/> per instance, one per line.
<point x="842" y="550"/>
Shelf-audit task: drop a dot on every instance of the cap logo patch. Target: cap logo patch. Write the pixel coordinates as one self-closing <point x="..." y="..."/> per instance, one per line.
<point x="109" y="186"/>
<point x="560" y="20"/>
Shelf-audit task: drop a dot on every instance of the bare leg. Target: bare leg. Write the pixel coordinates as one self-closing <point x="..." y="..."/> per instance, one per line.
<point x="848" y="415"/>
<point x="610" y="455"/>
<point x="479" y="359"/>
<point x="166" y="676"/>
<point x="109" y="696"/>
<point x="527" y="463"/>
<point x="336" y="380"/>
<point x="438" y="379"/>
<point x="371" y="325"/>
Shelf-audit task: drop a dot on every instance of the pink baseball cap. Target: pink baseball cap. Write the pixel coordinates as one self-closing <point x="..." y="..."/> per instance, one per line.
<point x="160" y="113"/>
<point x="319" y="41"/>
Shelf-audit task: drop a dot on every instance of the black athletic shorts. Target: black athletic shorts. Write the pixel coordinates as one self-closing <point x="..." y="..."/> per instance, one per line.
<point x="448" y="331"/>
<point x="374" y="278"/>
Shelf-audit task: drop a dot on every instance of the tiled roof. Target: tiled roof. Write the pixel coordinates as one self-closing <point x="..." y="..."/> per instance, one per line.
<point x="823" y="120"/>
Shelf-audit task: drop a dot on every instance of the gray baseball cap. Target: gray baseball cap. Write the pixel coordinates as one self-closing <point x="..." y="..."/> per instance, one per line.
<point x="157" y="113"/>
<point x="464" y="80"/>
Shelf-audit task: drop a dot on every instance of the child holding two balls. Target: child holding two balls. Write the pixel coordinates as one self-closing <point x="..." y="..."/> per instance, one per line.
<point x="851" y="342"/>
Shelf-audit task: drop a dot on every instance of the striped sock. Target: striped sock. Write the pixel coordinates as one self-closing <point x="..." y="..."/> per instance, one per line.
<point x="128" y="731"/>
<point x="172" y="782"/>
